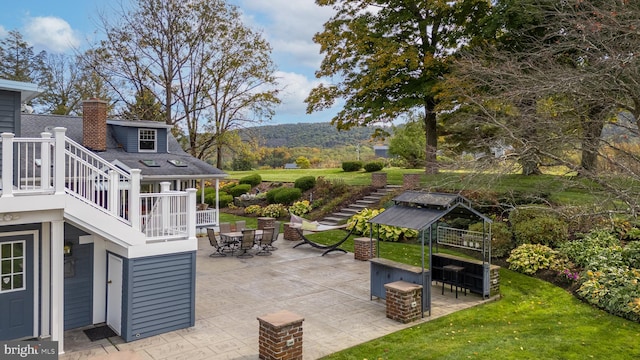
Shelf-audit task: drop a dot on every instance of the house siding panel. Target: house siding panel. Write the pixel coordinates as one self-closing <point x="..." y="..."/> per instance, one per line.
<point x="159" y="295"/>
<point x="10" y="112"/>
<point x="78" y="287"/>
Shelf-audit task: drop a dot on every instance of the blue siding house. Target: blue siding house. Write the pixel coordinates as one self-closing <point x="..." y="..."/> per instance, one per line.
<point x="98" y="222"/>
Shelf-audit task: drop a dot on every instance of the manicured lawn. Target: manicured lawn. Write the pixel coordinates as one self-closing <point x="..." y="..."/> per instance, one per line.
<point x="533" y="320"/>
<point x="562" y="189"/>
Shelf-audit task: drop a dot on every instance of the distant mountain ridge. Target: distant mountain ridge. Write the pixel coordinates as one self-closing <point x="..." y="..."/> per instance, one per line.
<point x="317" y="135"/>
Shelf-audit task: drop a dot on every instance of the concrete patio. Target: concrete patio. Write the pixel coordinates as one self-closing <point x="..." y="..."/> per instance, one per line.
<point x="331" y="293"/>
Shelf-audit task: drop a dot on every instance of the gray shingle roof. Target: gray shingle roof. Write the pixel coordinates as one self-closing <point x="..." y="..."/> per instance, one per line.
<point x="33" y="125"/>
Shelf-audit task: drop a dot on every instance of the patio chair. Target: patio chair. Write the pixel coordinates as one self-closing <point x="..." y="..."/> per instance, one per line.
<point x="217" y="244"/>
<point x="241" y="225"/>
<point x="248" y="238"/>
<point x="225" y="227"/>
<point x="265" y="242"/>
<point x="276" y="232"/>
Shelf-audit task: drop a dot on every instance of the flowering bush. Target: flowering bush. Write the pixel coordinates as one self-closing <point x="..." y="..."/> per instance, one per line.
<point x="614" y="289"/>
<point x="274" y="211"/>
<point x="570" y="275"/>
<point x="529" y="258"/>
<point x="253" y="209"/>
<point x="300" y="208"/>
<point x="384" y="232"/>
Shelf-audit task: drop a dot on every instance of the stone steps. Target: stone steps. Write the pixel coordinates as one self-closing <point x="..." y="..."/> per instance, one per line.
<point x="369" y="201"/>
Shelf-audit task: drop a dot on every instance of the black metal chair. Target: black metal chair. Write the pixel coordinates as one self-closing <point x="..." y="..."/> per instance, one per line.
<point x="217" y="244"/>
<point x="266" y="241"/>
<point x="247" y="243"/>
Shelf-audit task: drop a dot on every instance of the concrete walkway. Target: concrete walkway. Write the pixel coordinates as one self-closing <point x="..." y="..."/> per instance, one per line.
<point x="331" y="293"/>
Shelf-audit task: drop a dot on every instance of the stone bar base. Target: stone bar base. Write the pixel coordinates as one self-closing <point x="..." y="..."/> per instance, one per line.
<point x="291" y="233"/>
<point x="404" y="301"/>
<point x="265" y="222"/>
<point x="364" y="248"/>
<point x="280" y="336"/>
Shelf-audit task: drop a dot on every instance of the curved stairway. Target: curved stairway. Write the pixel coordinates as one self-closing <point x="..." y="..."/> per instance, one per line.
<point x="370" y="201"/>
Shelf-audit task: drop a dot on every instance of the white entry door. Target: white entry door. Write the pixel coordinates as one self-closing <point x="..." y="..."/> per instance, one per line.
<point x="114" y="293"/>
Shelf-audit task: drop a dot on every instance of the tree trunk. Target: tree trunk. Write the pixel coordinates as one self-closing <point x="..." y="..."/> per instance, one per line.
<point x="430" y="126"/>
<point x="592" y="130"/>
<point x="219" y="156"/>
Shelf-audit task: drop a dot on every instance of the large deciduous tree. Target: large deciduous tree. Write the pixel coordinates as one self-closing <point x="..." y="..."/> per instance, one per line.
<point x="557" y="83"/>
<point x="387" y="57"/>
<point x="196" y="59"/>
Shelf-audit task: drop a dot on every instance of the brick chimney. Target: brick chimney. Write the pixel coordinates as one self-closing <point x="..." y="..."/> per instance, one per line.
<point x="94" y="124"/>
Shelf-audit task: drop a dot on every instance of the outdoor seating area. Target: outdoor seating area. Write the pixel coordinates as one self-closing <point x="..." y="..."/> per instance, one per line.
<point x="246" y="242"/>
<point x="331" y="292"/>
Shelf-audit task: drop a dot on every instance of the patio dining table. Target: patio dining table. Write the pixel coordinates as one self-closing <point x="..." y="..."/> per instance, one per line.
<point x="235" y="237"/>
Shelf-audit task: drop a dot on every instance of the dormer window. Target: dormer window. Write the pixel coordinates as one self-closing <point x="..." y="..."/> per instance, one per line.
<point x="147" y="140"/>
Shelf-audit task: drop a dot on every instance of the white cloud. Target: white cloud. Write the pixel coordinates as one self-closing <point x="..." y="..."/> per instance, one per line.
<point x="290" y="26"/>
<point x="3" y="31"/>
<point x="51" y="33"/>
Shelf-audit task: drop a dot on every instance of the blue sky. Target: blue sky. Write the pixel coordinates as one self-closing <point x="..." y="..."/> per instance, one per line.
<point x="60" y="26"/>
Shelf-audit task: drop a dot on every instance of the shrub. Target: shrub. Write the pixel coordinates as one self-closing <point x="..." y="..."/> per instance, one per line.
<point x="583" y="251"/>
<point x="529" y="258"/>
<point x="239" y="190"/>
<point x="253" y="180"/>
<point x="274" y="211"/>
<point x="287" y="196"/>
<point x="614" y="289"/>
<point x="300" y="208"/>
<point x="305" y="183"/>
<point x="501" y="238"/>
<point x="271" y="194"/>
<point x="383" y="232"/>
<point x="544" y="230"/>
<point x="227" y="187"/>
<point x="302" y="162"/>
<point x="350" y="166"/>
<point x="253" y="209"/>
<point x="224" y="199"/>
<point x="373" y="166"/>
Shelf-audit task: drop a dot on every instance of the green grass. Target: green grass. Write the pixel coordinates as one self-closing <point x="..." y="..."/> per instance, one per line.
<point x="394" y="175"/>
<point x="562" y="189"/>
<point x="533" y="320"/>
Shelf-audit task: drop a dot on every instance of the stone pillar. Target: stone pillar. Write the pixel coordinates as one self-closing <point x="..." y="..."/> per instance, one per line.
<point x="364" y="248"/>
<point x="379" y="179"/>
<point x="291" y="233"/>
<point x="280" y="336"/>
<point x="411" y="181"/>
<point x="404" y="301"/>
<point x="494" y="281"/>
<point x="265" y="222"/>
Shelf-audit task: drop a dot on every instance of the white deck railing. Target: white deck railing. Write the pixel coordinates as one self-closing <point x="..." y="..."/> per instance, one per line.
<point x="160" y="216"/>
<point x="23" y="165"/>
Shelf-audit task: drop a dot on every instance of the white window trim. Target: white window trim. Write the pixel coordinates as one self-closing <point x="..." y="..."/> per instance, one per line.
<point x="155" y="140"/>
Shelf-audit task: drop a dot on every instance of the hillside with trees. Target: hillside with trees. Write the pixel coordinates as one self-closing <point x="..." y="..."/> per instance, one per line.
<point x="315" y="135"/>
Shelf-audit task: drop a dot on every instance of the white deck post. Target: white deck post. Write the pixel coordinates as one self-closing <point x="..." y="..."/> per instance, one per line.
<point x="45" y="162"/>
<point x="7" y="164"/>
<point x="165" y="207"/>
<point x="58" y="162"/>
<point x="191" y="213"/>
<point x="113" y="192"/>
<point x="57" y="283"/>
<point x="134" y="199"/>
